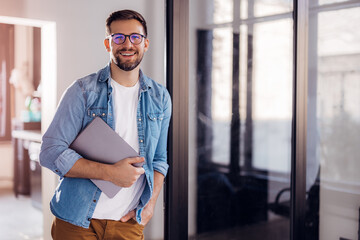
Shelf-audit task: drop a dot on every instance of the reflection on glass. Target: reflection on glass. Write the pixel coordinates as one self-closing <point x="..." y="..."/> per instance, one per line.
<point x="241" y="113"/>
<point x="223" y="11"/>
<point x="213" y="12"/>
<point x="244" y="10"/>
<point x="333" y="179"/>
<point x="267" y="7"/>
<point x="330" y="1"/>
<point x="272" y="92"/>
<point x="221" y="83"/>
<point x="261" y="8"/>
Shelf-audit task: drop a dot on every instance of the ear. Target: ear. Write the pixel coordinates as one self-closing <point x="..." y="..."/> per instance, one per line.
<point x="107" y="44"/>
<point x="146" y="44"/>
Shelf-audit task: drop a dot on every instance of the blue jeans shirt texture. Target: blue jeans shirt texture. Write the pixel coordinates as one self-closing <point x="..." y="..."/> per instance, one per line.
<point x="75" y="199"/>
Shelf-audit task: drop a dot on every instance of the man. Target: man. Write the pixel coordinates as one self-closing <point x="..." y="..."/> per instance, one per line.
<point x="139" y="110"/>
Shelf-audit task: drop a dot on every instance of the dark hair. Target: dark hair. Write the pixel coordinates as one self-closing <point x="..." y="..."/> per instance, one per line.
<point x="125" y="15"/>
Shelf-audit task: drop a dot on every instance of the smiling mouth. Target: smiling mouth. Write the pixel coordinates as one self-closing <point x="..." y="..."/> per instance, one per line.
<point x="127" y="54"/>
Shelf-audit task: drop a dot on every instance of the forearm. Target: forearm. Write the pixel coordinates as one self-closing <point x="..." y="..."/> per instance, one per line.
<point x="158" y="183"/>
<point x="84" y="168"/>
<point x="122" y="173"/>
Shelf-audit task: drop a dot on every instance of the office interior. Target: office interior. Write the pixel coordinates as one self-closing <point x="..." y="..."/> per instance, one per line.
<point x="246" y="61"/>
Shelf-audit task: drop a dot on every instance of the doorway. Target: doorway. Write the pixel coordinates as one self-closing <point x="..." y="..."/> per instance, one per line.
<point x="28" y="60"/>
<point x="21" y="125"/>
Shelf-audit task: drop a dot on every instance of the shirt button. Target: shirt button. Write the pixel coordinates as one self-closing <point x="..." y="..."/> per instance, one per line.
<point x="139" y="119"/>
<point x="94" y="200"/>
<point x="93" y="114"/>
<point x="56" y="170"/>
<point x="141" y="140"/>
<point x="103" y="114"/>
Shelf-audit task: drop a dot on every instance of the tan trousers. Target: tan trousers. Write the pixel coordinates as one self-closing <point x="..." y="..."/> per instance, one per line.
<point x="98" y="230"/>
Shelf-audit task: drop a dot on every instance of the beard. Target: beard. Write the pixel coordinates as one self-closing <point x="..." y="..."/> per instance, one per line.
<point x="127" y="65"/>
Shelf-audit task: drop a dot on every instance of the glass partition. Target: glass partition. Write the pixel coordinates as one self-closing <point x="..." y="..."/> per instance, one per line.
<point x="240" y="119"/>
<point x="333" y="134"/>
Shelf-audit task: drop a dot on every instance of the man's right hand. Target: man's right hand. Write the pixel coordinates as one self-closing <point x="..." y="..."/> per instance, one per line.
<point x="123" y="173"/>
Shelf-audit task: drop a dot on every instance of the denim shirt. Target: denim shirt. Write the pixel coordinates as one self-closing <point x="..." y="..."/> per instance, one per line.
<point x="75" y="199"/>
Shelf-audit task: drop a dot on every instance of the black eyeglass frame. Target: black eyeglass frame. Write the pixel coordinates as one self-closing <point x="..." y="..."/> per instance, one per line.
<point x="126" y="36"/>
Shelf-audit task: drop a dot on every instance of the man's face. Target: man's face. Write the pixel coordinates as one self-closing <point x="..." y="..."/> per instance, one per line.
<point x="127" y="56"/>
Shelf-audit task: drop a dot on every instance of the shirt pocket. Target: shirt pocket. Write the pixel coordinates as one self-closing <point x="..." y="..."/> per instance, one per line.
<point x="154" y="122"/>
<point x="97" y="112"/>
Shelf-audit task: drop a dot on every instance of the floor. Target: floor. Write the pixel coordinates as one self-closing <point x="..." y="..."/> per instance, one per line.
<point x="279" y="229"/>
<point x="18" y="218"/>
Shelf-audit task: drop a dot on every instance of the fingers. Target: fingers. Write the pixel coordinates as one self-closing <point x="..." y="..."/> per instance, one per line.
<point x="128" y="216"/>
<point x="140" y="171"/>
<point x="146" y="215"/>
<point x="136" y="160"/>
<point x="125" y="172"/>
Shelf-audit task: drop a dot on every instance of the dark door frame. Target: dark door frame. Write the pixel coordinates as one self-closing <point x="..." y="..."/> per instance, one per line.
<point x="176" y="187"/>
<point x="299" y="124"/>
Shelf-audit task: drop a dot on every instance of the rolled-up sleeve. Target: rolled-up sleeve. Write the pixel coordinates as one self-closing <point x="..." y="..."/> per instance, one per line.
<point x="160" y="158"/>
<point x="55" y="153"/>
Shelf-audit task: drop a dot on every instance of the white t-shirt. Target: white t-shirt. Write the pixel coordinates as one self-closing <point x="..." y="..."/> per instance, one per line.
<point x="125" y="101"/>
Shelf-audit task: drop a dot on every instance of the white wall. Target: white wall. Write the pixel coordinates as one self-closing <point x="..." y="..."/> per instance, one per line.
<point x="79" y="33"/>
<point x="81" y="30"/>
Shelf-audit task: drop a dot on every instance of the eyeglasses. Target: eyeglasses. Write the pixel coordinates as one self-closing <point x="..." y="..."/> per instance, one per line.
<point x="119" y="38"/>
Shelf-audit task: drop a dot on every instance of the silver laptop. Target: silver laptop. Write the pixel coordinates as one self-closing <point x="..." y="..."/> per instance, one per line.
<point x="99" y="142"/>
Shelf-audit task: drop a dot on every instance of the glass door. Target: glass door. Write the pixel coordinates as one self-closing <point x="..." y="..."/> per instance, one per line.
<point x="240" y="119"/>
<point x="333" y="132"/>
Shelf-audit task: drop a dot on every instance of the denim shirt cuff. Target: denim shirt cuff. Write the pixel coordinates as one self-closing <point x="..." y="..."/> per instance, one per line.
<point x="66" y="161"/>
<point x="161" y="168"/>
<point x="138" y="215"/>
